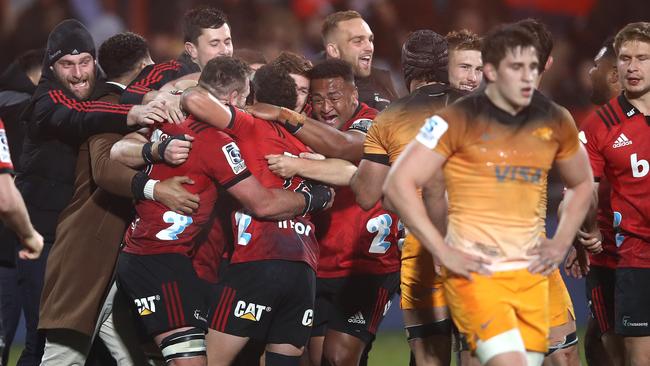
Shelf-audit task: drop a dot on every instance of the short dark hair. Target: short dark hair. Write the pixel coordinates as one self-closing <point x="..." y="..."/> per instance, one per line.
<point x="274" y="85"/>
<point x="639" y="31"/>
<point x="544" y="39"/>
<point x="332" y="68"/>
<point x="332" y="21"/>
<point x="121" y="53"/>
<point x="293" y="63"/>
<point x="224" y="74"/>
<point x="250" y="56"/>
<point x="503" y="38"/>
<point x="32" y="59"/>
<point x="463" y="39"/>
<point x="198" y="19"/>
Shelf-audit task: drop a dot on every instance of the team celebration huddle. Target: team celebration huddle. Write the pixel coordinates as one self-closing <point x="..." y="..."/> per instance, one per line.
<point x="225" y="209"/>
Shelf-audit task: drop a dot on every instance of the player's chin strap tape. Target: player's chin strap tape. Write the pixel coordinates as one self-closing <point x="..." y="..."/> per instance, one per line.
<point x="442" y="327"/>
<point x="568" y="341"/>
<point x="276" y="359"/>
<point x="186" y="344"/>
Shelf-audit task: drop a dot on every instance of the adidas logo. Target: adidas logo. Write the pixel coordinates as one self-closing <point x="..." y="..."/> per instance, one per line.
<point x="621" y="141"/>
<point x="357" y="318"/>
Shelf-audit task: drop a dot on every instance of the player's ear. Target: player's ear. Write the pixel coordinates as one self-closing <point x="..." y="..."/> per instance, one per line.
<point x="191" y="50"/>
<point x="332" y="50"/>
<point x="612" y="75"/>
<point x="490" y="72"/>
<point x="549" y="63"/>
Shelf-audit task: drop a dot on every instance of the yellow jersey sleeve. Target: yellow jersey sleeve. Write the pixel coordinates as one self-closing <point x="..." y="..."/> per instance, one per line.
<point x="568" y="139"/>
<point x="373" y="145"/>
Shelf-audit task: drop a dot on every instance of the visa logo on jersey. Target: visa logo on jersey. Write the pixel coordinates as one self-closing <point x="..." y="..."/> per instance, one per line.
<point x="147" y="305"/>
<point x="505" y="173"/>
<point x="250" y="311"/>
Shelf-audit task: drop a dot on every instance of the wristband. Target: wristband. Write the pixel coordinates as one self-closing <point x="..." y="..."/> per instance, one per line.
<point x="163" y="145"/>
<point x="146" y="153"/>
<point x="148" y="189"/>
<point x="138" y="182"/>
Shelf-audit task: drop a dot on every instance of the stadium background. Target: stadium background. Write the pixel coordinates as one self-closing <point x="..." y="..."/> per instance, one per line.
<point x="578" y="26"/>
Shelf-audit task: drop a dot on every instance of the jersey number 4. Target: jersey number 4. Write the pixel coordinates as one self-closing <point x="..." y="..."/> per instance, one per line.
<point x="179" y="223"/>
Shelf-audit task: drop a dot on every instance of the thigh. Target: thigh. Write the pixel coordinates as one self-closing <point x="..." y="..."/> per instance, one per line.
<point x="164" y="289"/>
<point x="600" y="287"/>
<point x="420" y="287"/>
<point x="560" y="304"/>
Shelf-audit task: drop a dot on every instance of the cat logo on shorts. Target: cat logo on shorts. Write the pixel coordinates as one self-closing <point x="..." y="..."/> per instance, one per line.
<point x="146" y="305"/>
<point x="250" y="311"/>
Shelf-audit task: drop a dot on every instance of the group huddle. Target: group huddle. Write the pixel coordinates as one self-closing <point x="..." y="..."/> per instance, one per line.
<point x="238" y="210"/>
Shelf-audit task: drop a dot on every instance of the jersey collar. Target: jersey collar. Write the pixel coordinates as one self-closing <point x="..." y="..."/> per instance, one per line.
<point x="629" y="110"/>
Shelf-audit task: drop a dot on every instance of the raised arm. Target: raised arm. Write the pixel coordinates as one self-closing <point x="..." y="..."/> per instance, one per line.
<point x="205" y="107"/>
<point x="130" y="150"/>
<point x="329" y="171"/>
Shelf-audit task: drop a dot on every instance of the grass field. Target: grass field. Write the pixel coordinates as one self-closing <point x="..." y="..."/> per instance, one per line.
<point x="390" y="349"/>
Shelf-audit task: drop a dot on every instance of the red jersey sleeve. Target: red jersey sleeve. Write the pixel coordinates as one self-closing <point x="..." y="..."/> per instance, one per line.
<point x="5" y="158"/>
<point x="224" y="161"/>
<point x="592" y="132"/>
<point x="239" y="120"/>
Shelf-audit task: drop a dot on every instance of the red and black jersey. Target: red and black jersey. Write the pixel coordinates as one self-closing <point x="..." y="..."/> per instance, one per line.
<point x="256" y="239"/>
<point x="215" y="157"/>
<point x="5" y="156"/>
<point x="618" y="151"/>
<point x="153" y="77"/>
<point x="353" y="241"/>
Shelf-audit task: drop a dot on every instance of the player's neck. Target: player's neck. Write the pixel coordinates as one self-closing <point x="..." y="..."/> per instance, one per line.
<point x="500" y="102"/>
<point x="640" y="101"/>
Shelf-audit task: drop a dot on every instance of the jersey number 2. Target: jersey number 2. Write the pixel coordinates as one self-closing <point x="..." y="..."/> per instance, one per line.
<point x="179" y="223"/>
<point x="242" y="221"/>
<point x="380" y="225"/>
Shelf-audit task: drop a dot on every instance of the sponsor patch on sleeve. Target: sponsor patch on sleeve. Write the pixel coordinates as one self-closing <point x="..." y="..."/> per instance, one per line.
<point x="5" y="157"/>
<point x="432" y="130"/>
<point x="362" y="124"/>
<point x="234" y="158"/>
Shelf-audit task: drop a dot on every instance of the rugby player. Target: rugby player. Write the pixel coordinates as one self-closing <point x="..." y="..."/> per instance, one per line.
<point x="497" y="143"/>
<point x="614" y="139"/>
<point x="348" y="37"/>
<point x="602" y="345"/>
<point x="358" y="266"/>
<point x="424" y="66"/>
<point x="465" y="62"/>
<point x="156" y="269"/>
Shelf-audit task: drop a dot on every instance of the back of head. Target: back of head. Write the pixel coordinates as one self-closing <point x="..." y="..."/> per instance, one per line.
<point x="69" y="37"/>
<point x="223" y="75"/>
<point x="201" y="18"/>
<point x="250" y="56"/>
<point x="122" y="54"/>
<point x="425" y="57"/>
<point x="274" y="85"/>
<point x="639" y="31"/>
<point x="500" y="40"/>
<point x="31" y="60"/>
<point x="331" y="22"/>
<point x="332" y="68"/>
<point x="544" y="39"/>
<point x="293" y="63"/>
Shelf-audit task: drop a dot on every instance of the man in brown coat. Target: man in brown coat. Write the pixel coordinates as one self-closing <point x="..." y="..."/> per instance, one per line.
<point x="80" y="267"/>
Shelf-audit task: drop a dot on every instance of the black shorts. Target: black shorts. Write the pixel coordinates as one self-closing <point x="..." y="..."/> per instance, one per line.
<point x="600" y="286"/>
<point x="165" y="289"/>
<point x="632" y="299"/>
<point x="270" y="301"/>
<point x="354" y="305"/>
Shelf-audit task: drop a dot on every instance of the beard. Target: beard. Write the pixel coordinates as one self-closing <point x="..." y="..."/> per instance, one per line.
<point x="80" y="88"/>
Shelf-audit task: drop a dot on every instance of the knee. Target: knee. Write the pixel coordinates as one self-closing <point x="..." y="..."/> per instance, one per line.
<point x="340" y="356"/>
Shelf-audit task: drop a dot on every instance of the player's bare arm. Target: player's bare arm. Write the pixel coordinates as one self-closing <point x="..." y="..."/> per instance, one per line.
<point x="367" y="181"/>
<point x="14" y="214"/>
<point x="412" y="171"/>
<point x="329" y="171"/>
<point x="435" y="201"/>
<point x="324" y="139"/>
<point x="278" y="204"/>
<point x="576" y="174"/>
<point x="205" y="107"/>
<point x="129" y="150"/>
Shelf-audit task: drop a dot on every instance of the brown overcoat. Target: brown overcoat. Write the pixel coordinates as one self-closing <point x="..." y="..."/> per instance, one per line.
<point x="81" y="263"/>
